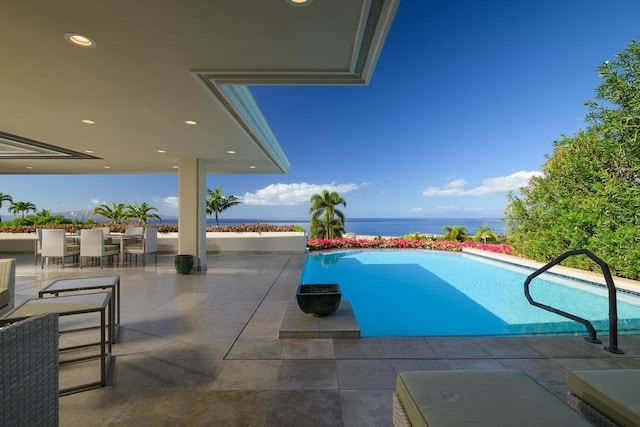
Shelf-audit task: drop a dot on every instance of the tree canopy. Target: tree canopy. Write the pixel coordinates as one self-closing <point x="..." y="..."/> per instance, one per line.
<point x="486" y="234"/>
<point x="326" y="220"/>
<point x="22" y="208"/>
<point x="589" y="193"/>
<point x="5" y="198"/>
<point x="455" y="232"/>
<point x="217" y="202"/>
<point x="117" y="212"/>
<point x="142" y="212"/>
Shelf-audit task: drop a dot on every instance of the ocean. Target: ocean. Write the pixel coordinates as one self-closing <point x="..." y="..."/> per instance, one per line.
<point x="379" y="226"/>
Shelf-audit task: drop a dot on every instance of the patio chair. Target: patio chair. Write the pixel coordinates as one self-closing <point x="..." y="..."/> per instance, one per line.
<point x="29" y="372"/>
<point x="148" y="245"/>
<point x="134" y="230"/>
<point x="37" y="250"/>
<point x="7" y="284"/>
<point x="54" y="245"/>
<point x="92" y="245"/>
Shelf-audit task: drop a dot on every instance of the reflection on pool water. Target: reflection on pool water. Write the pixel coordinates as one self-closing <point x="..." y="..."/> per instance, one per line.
<point x="428" y="293"/>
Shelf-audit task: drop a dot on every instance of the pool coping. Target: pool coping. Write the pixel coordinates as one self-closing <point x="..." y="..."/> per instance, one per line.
<point x="574" y="273"/>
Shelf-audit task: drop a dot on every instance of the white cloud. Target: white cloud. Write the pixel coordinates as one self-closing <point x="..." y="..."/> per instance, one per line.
<point x="171" y="202"/>
<point x="95" y="201"/>
<point x="416" y="210"/>
<point x="294" y="193"/>
<point x="501" y="184"/>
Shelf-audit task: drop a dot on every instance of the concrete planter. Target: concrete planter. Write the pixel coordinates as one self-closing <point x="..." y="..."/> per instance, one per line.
<point x="319" y="299"/>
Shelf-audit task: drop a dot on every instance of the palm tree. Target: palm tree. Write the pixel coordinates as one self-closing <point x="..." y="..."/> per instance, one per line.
<point x="217" y="202"/>
<point x="4" y="198"/>
<point x="43" y="213"/>
<point x="21" y="207"/>
<point x="323" y="215"/>
<point x="142" y="212"/>
<point x="116" y="212"/>
<point x="485" y="233"/>
<point x="455" y="232"/>
<point x="319" y="228"/>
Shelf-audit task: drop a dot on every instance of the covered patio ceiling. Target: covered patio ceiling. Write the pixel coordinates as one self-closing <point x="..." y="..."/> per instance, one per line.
<point x="157" y="65"/>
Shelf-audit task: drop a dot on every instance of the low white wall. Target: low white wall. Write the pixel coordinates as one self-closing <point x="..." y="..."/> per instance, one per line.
<point x="17" y="242"/>
<point x="290" y="242"/>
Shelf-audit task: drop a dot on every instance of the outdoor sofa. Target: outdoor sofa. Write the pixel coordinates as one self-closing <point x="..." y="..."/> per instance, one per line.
<point x="607" y="397"/>
<point x="7" y="284"/>
<point x="29" y="372"/>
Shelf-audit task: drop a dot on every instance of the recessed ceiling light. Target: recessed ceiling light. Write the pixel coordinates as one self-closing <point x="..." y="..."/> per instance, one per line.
<point x="252" y="167"/>
<point x="88" y="122"/>
<point x="89" y="151"/>
<point x="29" y="167"/>
<point x="161" y="151"/>
<point x="80" y="40"/>
<point x="231" y="152"/>
<point x="174" y="167"/>
<point x="191" y="122"/>
<point x="107" y="167"/>
<point x="299" y="2"/>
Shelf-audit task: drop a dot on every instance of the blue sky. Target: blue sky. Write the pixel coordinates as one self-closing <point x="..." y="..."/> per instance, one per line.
<point x="466" y="101"/>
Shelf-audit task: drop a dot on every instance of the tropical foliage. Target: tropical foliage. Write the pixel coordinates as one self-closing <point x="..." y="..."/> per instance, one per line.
<point x="486" y="234"/>
<point x="218" y="203"/>
<point x="326" y="220"/>
<point x="116" y="213"/>
<point x="143" y="212"/>
<point x="401" y="243"/>
<point x="455" y="232"/>
<point x="418" y="236"/>
<point x="589" y="193"/>
<point x="22" y="208"/>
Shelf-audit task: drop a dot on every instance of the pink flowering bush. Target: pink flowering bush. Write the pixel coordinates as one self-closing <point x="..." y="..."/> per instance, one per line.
<point x="252" y="228"/>
<point x="400" y="243"/>
<point x="240" y="228"/>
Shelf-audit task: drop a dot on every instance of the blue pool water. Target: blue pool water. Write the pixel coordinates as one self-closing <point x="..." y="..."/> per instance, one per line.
<point x="427" y="293"/>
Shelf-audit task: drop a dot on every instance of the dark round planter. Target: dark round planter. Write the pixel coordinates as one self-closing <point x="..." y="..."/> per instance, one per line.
<point x="319" y="299"/>
<point x="183" y="263"/>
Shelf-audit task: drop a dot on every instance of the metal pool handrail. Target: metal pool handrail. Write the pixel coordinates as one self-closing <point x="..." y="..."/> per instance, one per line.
<point x="613" y="305"/>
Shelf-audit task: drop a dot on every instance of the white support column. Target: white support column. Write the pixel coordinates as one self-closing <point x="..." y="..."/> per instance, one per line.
<point x="192" y="214"/>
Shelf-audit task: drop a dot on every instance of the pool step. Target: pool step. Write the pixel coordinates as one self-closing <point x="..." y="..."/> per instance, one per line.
<point x="340" y="324"/>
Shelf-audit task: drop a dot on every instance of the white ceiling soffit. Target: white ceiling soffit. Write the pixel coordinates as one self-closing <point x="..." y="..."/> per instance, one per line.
<point x="159" y="64"/>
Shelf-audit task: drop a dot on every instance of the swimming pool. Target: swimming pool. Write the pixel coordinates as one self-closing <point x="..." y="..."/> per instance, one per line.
<point x="428" y="293"/>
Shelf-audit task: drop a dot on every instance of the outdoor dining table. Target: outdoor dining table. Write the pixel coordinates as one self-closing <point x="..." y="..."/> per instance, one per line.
<point x="120" y="238"/>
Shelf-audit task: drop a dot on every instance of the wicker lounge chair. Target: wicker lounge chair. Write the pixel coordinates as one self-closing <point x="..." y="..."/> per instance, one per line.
<point x="7" y="284"/>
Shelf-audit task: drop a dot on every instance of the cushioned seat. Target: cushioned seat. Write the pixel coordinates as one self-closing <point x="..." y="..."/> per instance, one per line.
<point x="488" y="398"/>
<point x="614" y="393"/>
